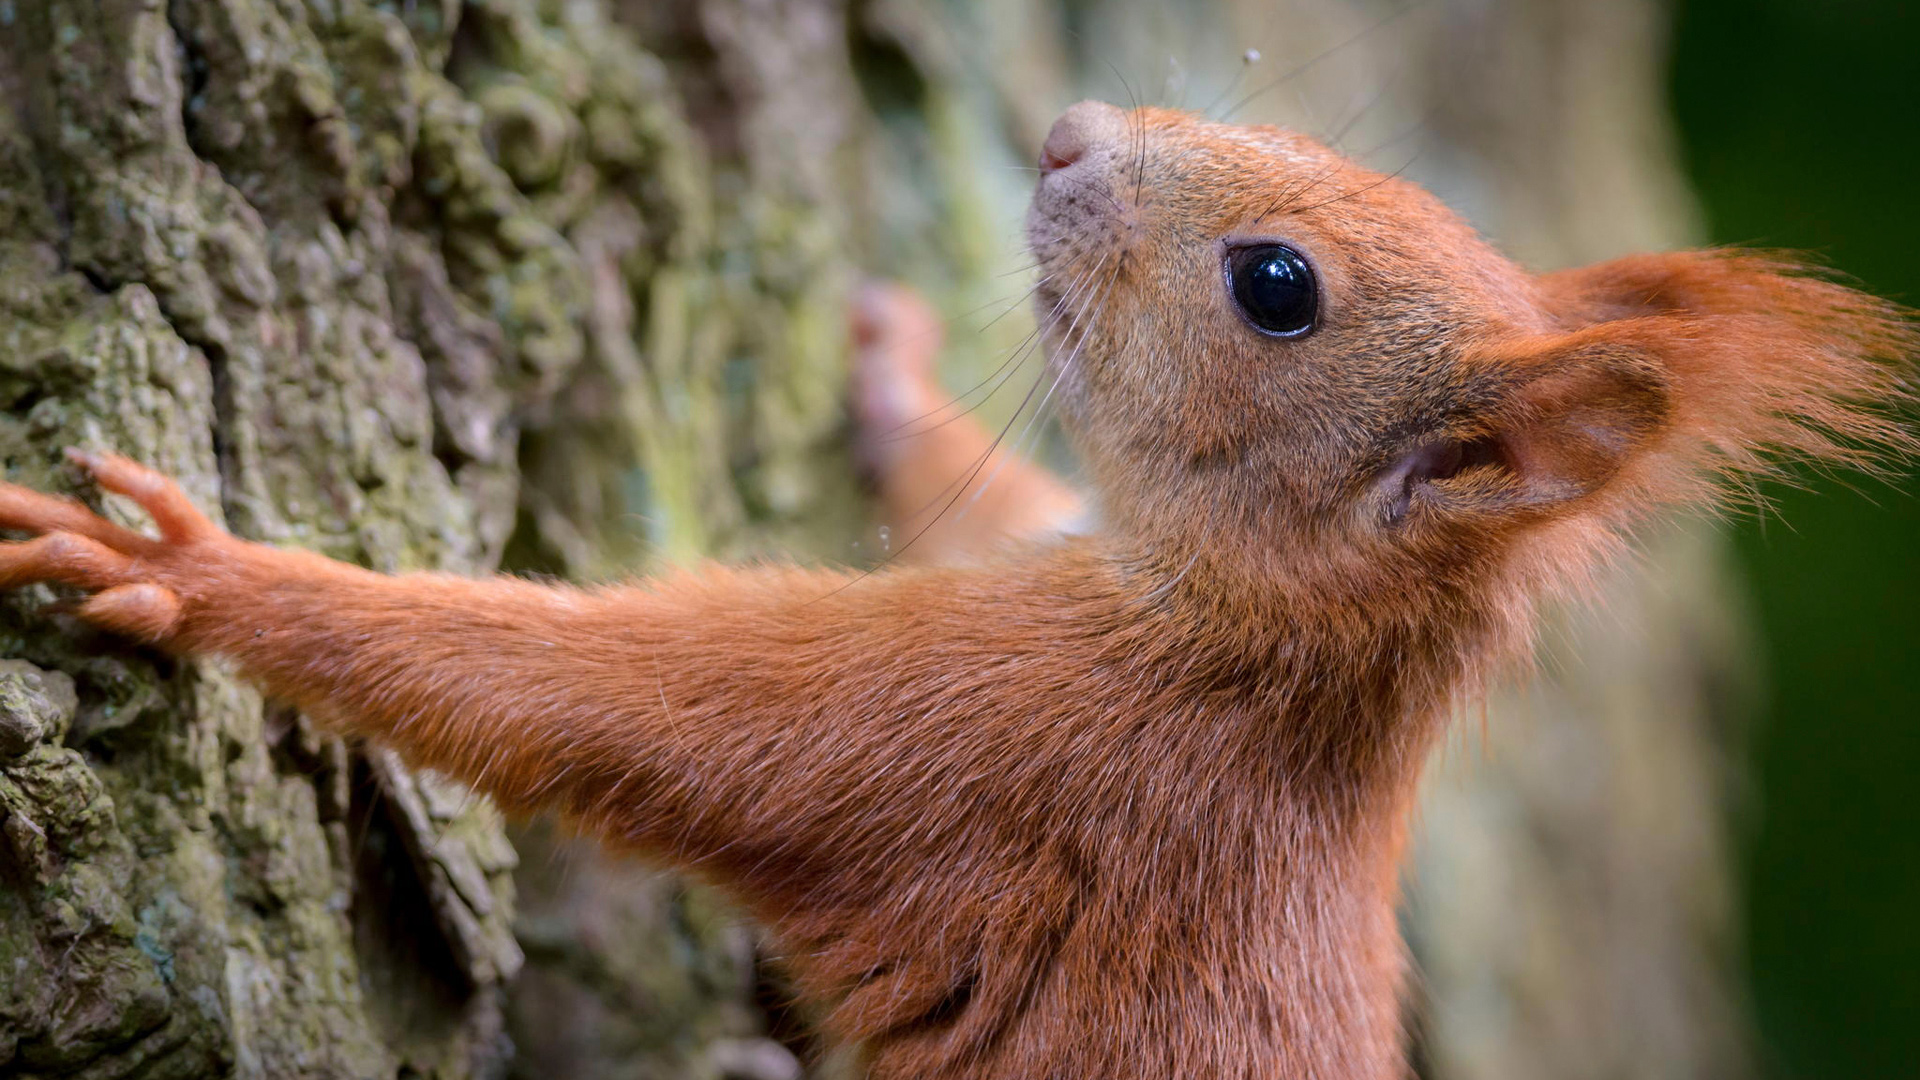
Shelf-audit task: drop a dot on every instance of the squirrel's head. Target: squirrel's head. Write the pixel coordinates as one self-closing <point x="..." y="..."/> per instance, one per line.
<point x="1264" y="347"/>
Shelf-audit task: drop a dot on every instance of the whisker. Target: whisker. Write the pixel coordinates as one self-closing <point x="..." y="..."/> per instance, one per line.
<point x="1306" y="65"/>
<point x="899" y="430"/>
<point x="1297" y="191"/>
<point x="1247" y="60"/>
<point x="1337" y="136"/>
<point x="1416" y="128"/>
<point x="1015" y="360"/>
<point x="1136" y="134"/>
<point x="988" y="456"/>
<point x="1059" y="376"/>
<point x="1364" y="188"/>
<point x="979" y="464"/>
<point x="1028" y="348"/>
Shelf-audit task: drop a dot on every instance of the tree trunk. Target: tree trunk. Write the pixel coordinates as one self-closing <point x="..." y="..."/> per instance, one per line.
<point x="415" y="285"/>
<point x="559" y="287"/>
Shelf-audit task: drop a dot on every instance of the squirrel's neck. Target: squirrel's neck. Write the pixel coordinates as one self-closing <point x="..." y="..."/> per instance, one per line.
<point x="1359" y="667"/>
<point x="1338" y="706"/>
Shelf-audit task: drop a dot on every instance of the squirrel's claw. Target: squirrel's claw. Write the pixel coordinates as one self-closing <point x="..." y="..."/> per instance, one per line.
<point x="178" y="519"/>
<point x="72" y="545"/>
<point x="143" y="611"/>
<point x="65" y="558"/>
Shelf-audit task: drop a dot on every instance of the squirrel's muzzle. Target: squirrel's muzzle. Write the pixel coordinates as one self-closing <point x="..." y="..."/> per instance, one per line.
<point x="1082" y="128"/>
<point x="1077" y="208"/>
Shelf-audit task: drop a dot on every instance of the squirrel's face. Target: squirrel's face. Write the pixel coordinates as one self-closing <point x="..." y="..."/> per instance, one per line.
<point x="1242" y="316"/>
<point x="1264" y="346"/>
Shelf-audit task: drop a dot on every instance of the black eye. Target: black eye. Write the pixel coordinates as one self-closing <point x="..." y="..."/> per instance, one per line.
<point x="1274" y="287"/>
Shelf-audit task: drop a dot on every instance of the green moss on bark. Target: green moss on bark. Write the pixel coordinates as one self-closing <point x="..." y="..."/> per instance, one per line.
<point x="365" y="279"/>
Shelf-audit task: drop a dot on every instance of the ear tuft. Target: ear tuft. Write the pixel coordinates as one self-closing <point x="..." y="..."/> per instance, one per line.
<point x="1761" y="357"/>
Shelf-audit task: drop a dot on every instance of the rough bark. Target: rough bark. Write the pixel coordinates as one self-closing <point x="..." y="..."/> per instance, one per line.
<point x="351" y="270"/>
<point x="558" y="286"/>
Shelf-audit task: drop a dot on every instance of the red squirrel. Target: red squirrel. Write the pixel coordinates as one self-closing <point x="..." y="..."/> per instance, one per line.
<point x="1128" y="803"/>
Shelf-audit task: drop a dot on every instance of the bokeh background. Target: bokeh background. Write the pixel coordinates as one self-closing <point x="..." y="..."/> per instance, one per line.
<point x="1798" y="129"/>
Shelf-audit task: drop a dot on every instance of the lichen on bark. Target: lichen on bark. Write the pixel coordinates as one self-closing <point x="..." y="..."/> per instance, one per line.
<point x="350" y="271"/>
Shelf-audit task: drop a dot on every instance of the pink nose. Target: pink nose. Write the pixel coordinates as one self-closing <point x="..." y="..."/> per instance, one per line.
<point x="1079" y="130"/>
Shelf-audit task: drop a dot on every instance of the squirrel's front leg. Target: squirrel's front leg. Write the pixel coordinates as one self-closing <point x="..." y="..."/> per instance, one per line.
<point x="827" y="752"/>
<point x="423" y="662"/>
<point x="602" y="705"/>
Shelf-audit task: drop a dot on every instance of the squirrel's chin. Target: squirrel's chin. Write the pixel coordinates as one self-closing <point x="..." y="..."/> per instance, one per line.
<point x="1063" y="333"/>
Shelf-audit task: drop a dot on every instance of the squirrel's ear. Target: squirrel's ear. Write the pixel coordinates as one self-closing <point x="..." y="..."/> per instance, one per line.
<point x="1672" y="374"/>
<point x="1763" y="357"/>
<point x="1570" y="411"/>
<point x="1664" y="377"/>
<point x="1579" y="411"/>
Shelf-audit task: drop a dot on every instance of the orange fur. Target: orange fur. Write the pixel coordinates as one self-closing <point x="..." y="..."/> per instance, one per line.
<point x="1126" y="804"/>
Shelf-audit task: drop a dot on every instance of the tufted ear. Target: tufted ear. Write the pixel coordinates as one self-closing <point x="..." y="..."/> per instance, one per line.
<point x="1764" y="357"/>
<point x="1669" y="375"/>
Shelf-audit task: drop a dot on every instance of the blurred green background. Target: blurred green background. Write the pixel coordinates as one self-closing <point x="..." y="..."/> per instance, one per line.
<point x="1799" y="128"/>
